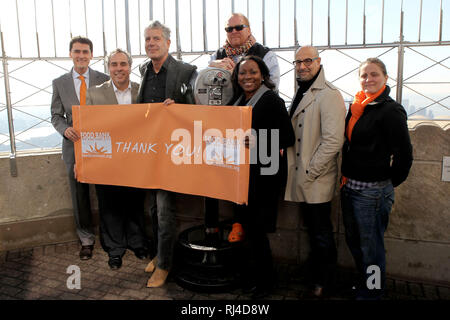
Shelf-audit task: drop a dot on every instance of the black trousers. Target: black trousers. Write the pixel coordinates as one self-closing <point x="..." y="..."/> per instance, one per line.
<point x="121" y="218"/>
<point x="211" y="212"/>
<point x="256" y="255"/>
<point x="323" y="254"/>
<point x="259" y="266"/>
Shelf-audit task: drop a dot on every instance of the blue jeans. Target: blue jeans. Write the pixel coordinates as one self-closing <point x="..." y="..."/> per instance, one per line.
<point x="366" y="216"/>
<point x="163" y="212"/>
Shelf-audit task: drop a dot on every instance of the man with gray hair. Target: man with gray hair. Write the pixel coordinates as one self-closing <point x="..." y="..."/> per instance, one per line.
<point x="161" y="80"/>
<point x="121" y="208"/>
<point x="318" y="117"/>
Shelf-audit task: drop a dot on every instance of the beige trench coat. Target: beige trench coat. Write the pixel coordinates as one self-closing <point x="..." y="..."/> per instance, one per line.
<point x="319" y="123"/>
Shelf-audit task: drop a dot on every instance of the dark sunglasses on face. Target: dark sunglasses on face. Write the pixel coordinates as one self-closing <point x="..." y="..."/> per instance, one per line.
<point x="307" y="62"/>
<point x="239" y="27"/>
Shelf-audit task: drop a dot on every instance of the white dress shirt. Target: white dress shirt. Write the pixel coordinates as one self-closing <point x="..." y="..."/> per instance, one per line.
<point x="77" y="82"/>
<point x="123" y="96"/>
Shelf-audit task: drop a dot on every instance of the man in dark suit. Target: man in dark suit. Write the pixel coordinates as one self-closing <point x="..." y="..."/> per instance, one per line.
<point x="121" y="208"/>
<point x="70" y="89"/>
<point x="161" y="80"/>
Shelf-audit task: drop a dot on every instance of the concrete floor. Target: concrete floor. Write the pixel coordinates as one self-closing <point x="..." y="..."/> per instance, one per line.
<point x="41" y="274"/>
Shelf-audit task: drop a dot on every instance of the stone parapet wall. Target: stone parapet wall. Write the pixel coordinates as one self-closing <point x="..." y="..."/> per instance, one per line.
<point x="36" y="209"/>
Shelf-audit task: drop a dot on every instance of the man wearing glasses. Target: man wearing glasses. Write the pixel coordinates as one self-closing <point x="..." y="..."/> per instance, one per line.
<point x="240" y="42"/>
<point x="318" y="117"/>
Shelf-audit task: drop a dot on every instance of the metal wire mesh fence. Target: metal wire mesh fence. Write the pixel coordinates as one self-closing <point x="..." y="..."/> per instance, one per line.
<point x="410" y="37"/>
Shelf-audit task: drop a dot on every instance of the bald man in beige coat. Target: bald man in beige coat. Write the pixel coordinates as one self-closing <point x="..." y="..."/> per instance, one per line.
<point x="318" y="117"/>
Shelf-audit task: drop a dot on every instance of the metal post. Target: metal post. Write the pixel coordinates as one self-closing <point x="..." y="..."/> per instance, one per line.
<point x="150" y="9"/>
<point x="329" y="24"/>
<point x="35" y="28"/>
<point x="205" y="38"/>
<point x="441" y="13"/>
<point x="115" y="21"/>
<point x="127" y="26"/>
<point x="218" y="24"/>
<point x="18" y="28"/>
<point x="12" y="138"/>
<point x="382" y="22"/>
<point x="279" y="23"/>
<point x="177" y="30"/>
<point x="346" y="20"/>
<point x="70" y="18"/>
<point x="190" y="24"/>
<point x="54" y="32"/>
<point x="104" y="37"/>
<point x="139" y="26"/>
<point x="312" y="21"/>
<point x="164" y="11"/>
<point x="295" y="25"/>
<point x="420" y="20"/>
<point x="401" y="55"/>
<point x="85" y="18"/>
<point x="263" y="21"/>
<point x="364" y="23"/>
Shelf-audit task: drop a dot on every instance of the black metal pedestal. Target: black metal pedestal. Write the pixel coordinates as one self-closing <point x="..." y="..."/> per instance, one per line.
<point x="207" y="263"/>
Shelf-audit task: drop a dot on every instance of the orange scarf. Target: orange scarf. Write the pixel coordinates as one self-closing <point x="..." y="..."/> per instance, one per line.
<point x="357" y="108"/>
<point x="360" y="102"/>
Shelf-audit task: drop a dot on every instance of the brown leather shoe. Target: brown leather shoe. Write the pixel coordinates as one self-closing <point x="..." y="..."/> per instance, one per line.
<point x="86" y="252"/>
<point x="158" y="278"/>
<point x="151" y="265"/>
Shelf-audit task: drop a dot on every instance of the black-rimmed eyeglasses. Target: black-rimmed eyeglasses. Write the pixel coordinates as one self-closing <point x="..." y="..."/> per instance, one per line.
<point x="239" y="27"/>
<point x="307" y="62"/>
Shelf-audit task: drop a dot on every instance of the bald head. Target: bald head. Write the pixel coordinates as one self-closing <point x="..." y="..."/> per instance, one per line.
<point x="307" y="62"/>
<point x="240" y="16"/>
<point x="310" y="49"/>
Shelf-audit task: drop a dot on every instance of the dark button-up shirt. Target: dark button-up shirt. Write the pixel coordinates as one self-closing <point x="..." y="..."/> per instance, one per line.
<point x="155" y="84"/>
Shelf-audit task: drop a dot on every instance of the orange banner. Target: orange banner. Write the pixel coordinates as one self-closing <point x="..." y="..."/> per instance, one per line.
<point x="183" y="148"/>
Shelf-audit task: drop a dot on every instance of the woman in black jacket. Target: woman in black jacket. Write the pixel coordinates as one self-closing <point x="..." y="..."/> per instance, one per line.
<point x="272" y="127"/>
<point x="377" y="156"/>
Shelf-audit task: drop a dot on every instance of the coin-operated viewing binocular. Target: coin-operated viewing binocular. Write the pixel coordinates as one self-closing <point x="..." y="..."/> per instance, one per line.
<point x="204" y="260"/>
<point x="212" y="87"/>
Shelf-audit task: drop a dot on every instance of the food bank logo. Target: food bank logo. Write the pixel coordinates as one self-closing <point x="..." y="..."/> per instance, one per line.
<point x="96" y="144"/>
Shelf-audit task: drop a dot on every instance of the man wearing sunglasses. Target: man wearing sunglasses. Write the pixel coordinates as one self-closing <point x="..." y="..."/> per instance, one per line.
<point x="240" y="42"/>
<point x="318" y="117"/>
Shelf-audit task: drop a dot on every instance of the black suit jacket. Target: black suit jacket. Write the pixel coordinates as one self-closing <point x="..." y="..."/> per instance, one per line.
<point x="178" y="73"/>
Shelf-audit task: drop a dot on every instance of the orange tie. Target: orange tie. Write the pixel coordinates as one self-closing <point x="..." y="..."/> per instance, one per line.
<point x="82" y="91"/>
